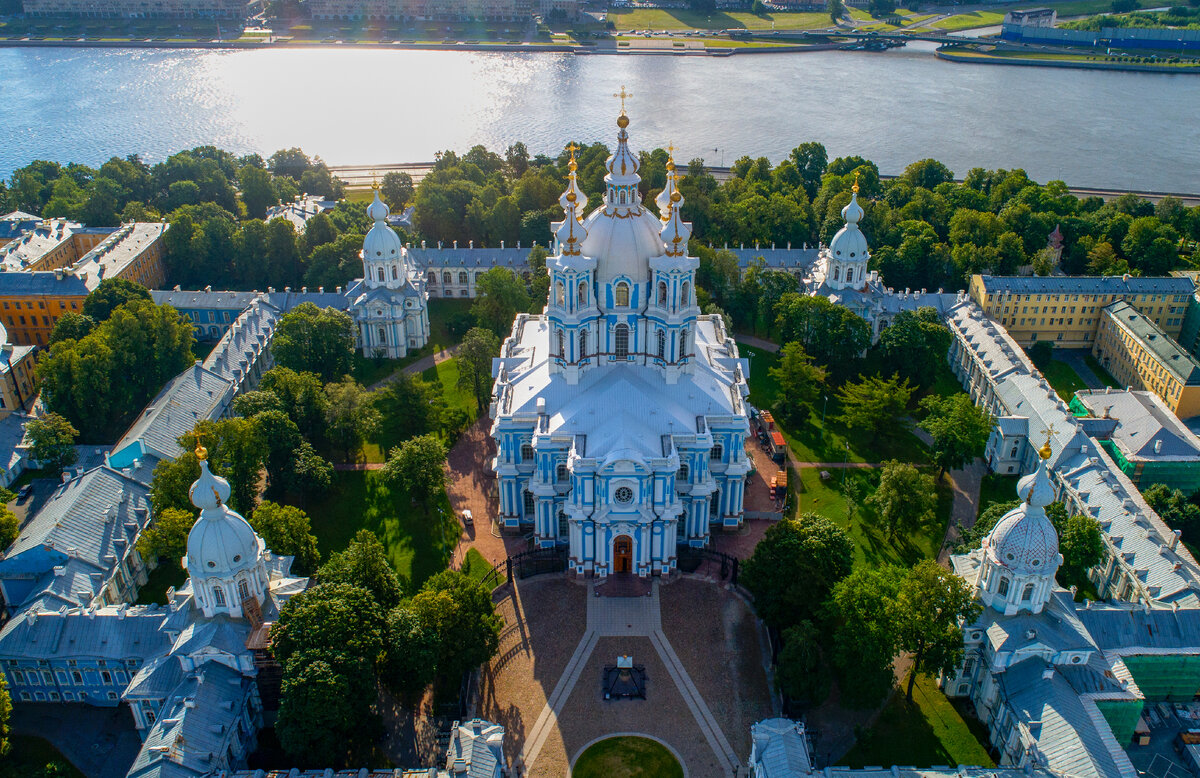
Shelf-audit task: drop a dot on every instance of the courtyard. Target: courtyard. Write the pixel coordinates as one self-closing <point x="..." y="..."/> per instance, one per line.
<point x="700" y="644"/>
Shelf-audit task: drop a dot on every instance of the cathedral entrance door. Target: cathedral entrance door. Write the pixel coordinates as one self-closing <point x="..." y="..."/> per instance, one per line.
<point x="623" y="554"/>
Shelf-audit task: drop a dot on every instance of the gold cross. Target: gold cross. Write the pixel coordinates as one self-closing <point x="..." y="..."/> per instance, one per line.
<point x="571" y="147"/>
<point x="1048" y="432"/>
<point x="374" y="182"/>
<point x="671" y="150"/>
<point x="855" y="187"/>
<point x="623" y="94"/>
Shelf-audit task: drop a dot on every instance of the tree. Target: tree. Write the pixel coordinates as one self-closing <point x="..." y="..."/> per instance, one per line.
<point x="166" y="537"/>
<point x="410" y="406"/>
<point x="303" y="397"/>
<point x="1173" y="507"/>
<point x="927" y="173"/>
<point x="874" y="404"/>
<point x="833" y="335"/>
<point x="171" y="480"/>
<point x="5" y="713"/>
<point x="365" y="564"/>
<point x="1080" y="541"/>
<point x="10" y="525"/>
<point x="906" y="497"/>
<point x="258" y="193"/>
<point x="795" y="566"/>
<point x="311" y="472"/>
<point x="959" y="429"/>
<point x="836" y="10"/>
<point x="413" y="649"/>
<point x="800" y="383"/>
<point x="396" y="189"/>
<point x="972" y="537"/>
<point x="326" y="698"/>
<point x="280" y="437"/>
<point x="332" y="616"/>
<point x="252" y="403"/>
<point x="801" y="673"/>
<point x="915" y="344"/>
<point x="417" y="467"/>
<point x="460" y="610"/>
<point x="1041" y="353"/>
<point x="499" y="297"/>
<point x="71" y="326"/>
<point x="237" y="452"/>
<point x="810" y="160"/>
<point x="318" y="340"/>
<point x="287" y="531"/>
<point x="475" y="356"/>
<point x="52" y="441"/>
<point x="930" y="605"/>
<point x="350" y="416"/>
<point x="864" y="636"/>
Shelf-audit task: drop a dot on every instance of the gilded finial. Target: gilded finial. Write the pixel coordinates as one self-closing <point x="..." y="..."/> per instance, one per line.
<point x="201" y="451"/>
<point x="623" y="120"/>
<point x="1045" y="452"/>
<point x="670" y="158"/>
<point x="675" y="195"/>
<point x="572" y="166"/>
<point x="855" y="187"/>
<point x="374" y="179"/>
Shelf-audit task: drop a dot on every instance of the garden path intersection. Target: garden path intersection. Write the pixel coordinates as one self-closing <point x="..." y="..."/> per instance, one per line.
<point x="625" y="617"/>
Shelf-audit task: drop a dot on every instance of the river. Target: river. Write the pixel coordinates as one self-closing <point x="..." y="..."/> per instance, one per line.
<point x="1088" y="128"/>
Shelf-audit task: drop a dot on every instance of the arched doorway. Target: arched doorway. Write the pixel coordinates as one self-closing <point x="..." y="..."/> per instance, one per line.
<point x="623" y="554"/>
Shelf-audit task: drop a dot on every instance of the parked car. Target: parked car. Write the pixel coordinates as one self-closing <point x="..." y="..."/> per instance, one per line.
<point x="24" y="492"/>
<point x="468" y="519"/>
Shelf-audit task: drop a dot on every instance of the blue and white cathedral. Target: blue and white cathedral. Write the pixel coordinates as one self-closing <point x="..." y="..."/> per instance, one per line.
<point x="619" y="413"/>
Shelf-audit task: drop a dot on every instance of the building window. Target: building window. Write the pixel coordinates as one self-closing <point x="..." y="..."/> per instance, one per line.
<point x="462" y="277"/>
<point x="662" y="294"/>
<point x="662" y="344"/>
<point x="106" y="677"/>
<point x="683" y="344"/>
<point x="621" y="293"/>
<point x="716" y="453"/>
<point x="685" y="295"/>
<point x="149" y="716"/>
<point x="530" y="503"/>
<point x="1027" y="595"/>
<point x="624" y="495"/>
<point x="714" y="506"/>
<point x="526" y="452"/>
<point x="581" y="294"/>
<point x="446" y="277"/>
<point x="562" y="473"/>
<point x="681" y="475"/>
<point x="1002" y="589"/>
<point x="837" y="273"/>
<point x="380" y="273"/>
<point x="432" y="277"/>
<point x="243" y="590"/>
<point x="562" y="345"/>
<point x="395" y="275"/>
<point x="560" y="295"/>
<point x="621" y="341"/>
<point x="219" y="596"/>
<point x="582" y="344"/>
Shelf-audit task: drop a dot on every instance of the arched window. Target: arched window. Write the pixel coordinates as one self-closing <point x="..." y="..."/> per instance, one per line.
<point x="562" y="345"/>
<point x="462" y="276"/>
<point x="530" y="503"/>
<point x="681" y="476"/>
<point x="1027" y="595"/>
<point x="383" y="335"/>
<point x="622" y="294"/>
<point x="621" y="341"/>
<point x="837" y="274"/>
<point x="561" y="473"/>
<point x="849" y="275"/>
<point x="622" y="197"/>
<point x="1002" y="589"/>
<point x="662" y="344"/>
<point x="219" y="596"/>
<point x="715" y="505"/>
<point x="446" y="277"/>
<point x="243" y="590"/>
<point x="683" y="344"/>
<point x="662" y="294"/>
<point x="560" y="296"/>
<point x="380" y="274"/>
<point x="581" y="294"/>
<point x="395" y="273"/>
<point x="432" y="276"/>
<point x="716" y="453"/>
<point x="527" y="452"/>
<point x="582" y="344"/>
<point x="685" y="295"/>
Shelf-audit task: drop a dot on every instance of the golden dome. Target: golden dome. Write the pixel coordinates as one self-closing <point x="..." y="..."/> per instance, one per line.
<point x="570" y="197"/>
<point x="622" y="121"/>
<point x="675" y="196"/>
<point x="1045" y="452"/>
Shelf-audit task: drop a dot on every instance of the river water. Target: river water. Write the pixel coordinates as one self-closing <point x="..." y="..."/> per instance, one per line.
<point x="1089" y="128"/>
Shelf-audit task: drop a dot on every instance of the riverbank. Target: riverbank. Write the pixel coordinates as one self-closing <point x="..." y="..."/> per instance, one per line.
<point x="1048" y="60"/>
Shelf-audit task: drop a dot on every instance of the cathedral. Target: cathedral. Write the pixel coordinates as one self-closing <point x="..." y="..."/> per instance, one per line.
<point x="389" y="303"/>
<point x="619" y="412"/>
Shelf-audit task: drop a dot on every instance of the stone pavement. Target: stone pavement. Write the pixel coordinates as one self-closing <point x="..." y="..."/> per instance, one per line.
<point x="99" y="742"/>
<point x="1074" y="358"/>
<point x="626" y="617"/>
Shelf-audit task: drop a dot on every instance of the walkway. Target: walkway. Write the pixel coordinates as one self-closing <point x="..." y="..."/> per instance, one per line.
<point x="625" y="617"/>
<point x="756" y="342"/>
<point x="418" y="367"/>
<point x="1074" y="358"/>
<point x="965" y="483"/>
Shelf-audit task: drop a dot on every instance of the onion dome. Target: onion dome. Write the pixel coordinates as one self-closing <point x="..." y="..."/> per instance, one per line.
<point x="850" y="243"/>
<point x="623" y="165"/>
<point x="382" y="242"/>
<point x="663" y="201"/>
<point x="675" y="231"/>
<point x="221" y="542"/>
<point x="1024" y="540"/>
<point x="570" y="232"/>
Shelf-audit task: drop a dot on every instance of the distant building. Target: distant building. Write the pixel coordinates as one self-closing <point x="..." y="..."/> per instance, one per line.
<point x="299" y="210"/>
<point x="1147" y="441"/>
<point x="1066" y="310"/>
<point x="17" y="388"/>
<point x="518" y="12"/>
<point x="1032" y="17"/>
<point x="15" y="224"/>
<point x="135" y="9"/>
<point x="1139" y="354"/>
<point x="45" y="244"/>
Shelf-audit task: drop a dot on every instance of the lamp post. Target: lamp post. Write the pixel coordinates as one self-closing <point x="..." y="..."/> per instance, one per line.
<point x="824" y="405"/>
<point x="845" y="467"/>
<point x="8" y="349"/>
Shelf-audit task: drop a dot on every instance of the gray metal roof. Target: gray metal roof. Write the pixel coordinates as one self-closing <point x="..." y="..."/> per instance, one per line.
<point x="44" y="283"/>
<point x="1131" y="629"/>
<point x="1161" y="346"/>
<point x="156" y="679"/>
<point x="1142" y="421"/>
<point x="1117" y="285"/>
<point x="203" y="299"/>
<point x="114" y="633"/>
<point x="196" y="393"/>
<point x="778" y="749"/>
<point x="242" y="344"/>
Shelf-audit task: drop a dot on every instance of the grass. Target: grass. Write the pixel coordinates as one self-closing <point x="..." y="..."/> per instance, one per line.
<point x="1104" y="376"/>
<point x="627" y="757"/>
<point x="475" y="566"/>
<point x="446" y="373"/>
<point x="996" y="488"/>
<point x="1099" y="58"/>
<point x="966" y="21"/>
<point x="444" y="315"/>
<point x="168" y="573"/>
<point x="29" y="755"/>
<point x="418" y="542"/>
<point x="1063" y="379"/>
<point x="680" y="19"/>
<point x="928" y="731"/>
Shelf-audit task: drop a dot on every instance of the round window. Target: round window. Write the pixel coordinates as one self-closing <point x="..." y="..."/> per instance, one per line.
<point x="1009" y="556"/>
<point x="851" y="253"/>
<point x="237" y="557"/>
<point x="1037" y="562"/>
<point x="212" y="564"/>
<point x="1076" y="660"/>
<point x="379" y="253"/>
<point x="624" y="495"/>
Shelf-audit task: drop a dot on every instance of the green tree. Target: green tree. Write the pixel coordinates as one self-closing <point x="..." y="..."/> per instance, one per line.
<point x="311" y="472"/>
<point x="252" y="403"/>
<point x="166" y="537"/>
<point x="475" y="356"/>
<point x="800" y="383"/>
<point x="461" y="613"/>
<point x="109" y="295"/>
<point x="5" y="714"/>
<point x="396" y="189"/>
<point x="365" y="564"/>
<point x="303" y="397"/>
<point x="350" y="416"/>
<point x="795" y="566"/>
<point x="413" y="649"/>
<point x="1173" y="507"/>
<point x="833" y="335"/>
<point x="836" y="10"/>
<point x="959" y="429"/>
<point x="287" y="531"/>
<point x="280" y="437"/>
<point x="874" y="405"/>
<point x="906" y="498"/>
<point x="410" y="406"/>
<point x="864" y="634"/>
<point x="930" y="605"/>
<point x="237" y="452"/>
<point x="972" y="537"/>
<point x="171" y="480"/>
<point x="500" y="296"/>
<point x="332" y="616"/>
<point x="1080" y="541"/>
<point x="417" y="467"/>
<point x="810" y="160"/>
<point x="71" y="326"/>
<point x="915" y="345"/>
<point x="258" y="192"/>
<point x="927" y="173"/>
<point x="52" y="441"/>
<point x="10" y="525"/>
<point x="801" y="672"/>
<point x="326" y="698"/>
<point x="312" y="339"/>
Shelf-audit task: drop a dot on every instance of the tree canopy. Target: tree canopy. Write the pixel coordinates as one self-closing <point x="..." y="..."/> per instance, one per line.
<point x="417" y="467"/>
<point x="51" y="441"/>
<point x="959" y="429"/>
<point x="317" y="340"/>
<point x="286" y="530"/>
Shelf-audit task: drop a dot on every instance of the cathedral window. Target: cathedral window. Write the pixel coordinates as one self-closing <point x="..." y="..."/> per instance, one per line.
<point x="527" y="452"/>
<point x="380" y="274"/>
<point x="219" y="596"/>
<point x="382" y="335"/>
<point x="714" y="506"/>
<point x="850" y="274"/>
<point x="624" y="495"/>
<point x="563" y="526"/>
<point x="530" y="503"/>
<point x="395" y="274"/>
<point x="682" y="474"/>
<point x="561" y="473"/>
<point x="685" y="295"/>
<point x="432" y="277"/>
<point x="562" y="345"/>
<point x="662" y="344"/>
<point x="837" y="274"/>
<point x="622" y="294"/>
<point x="621" y="341"/>
<point x="462" y="277"/>
<point x="582" y="344"/>
<point x="581" y="294"/>
<point x="560" y="295"/>
<point x="662" y="294"/>
<point x="1002" y="589"/>
<point x="683" y="344"/>
<point x="446" y="277"/>
<point x="1027" y="595"/>
<point x="621" y="197"/>
<point x="243" y="590"/>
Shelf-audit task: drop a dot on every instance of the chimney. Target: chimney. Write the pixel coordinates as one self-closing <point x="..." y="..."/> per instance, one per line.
<point x="1173" y="541"/>
<point x="1158" y="446"/>
<point x="471" y="244"/>
<point x="455" y="244"/>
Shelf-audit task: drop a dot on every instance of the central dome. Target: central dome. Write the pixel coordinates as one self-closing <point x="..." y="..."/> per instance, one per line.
<point x="622" y="247"/>
<point x="382" y="242"/>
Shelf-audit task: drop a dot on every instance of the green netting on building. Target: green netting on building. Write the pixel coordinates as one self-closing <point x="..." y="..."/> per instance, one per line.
<point x="1122" y="717"/>
<point x="1126" y="466"/>
<point x="1163" y="678"/>
<point x="1078" y="408"/>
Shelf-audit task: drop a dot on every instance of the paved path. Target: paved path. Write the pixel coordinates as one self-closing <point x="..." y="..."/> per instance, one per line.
<point x="625" y="617"/>
<point x="751" y="340"/>
<point x="358" y="466"/>
<point x="420" y="366"/>
<point x="1074" y="358"/>
<point x="965" y="483"/>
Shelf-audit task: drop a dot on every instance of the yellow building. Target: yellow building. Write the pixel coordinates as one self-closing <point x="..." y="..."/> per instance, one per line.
<point x="1066" y="310"/>
<point x="17" y="390"/>
<point x="50" y="244"/>
<point x="32" y="301"/>
<point x="1139" y="354"/>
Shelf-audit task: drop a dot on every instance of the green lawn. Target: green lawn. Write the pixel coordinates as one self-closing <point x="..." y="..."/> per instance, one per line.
<point x="446" y="373"/>
<point x="1063" y="378"/>
<point x="1104" y="376"/>
<point x="966" y="21"/>
<point x="167" y="574"/>
<point x="928" y="731"/>
<point x="627" y="757"/>
<point x="30" y="755"/>
<point x="680" y="19"/>
<point x="443" y="313"/>
<point x="418" y="543"/>
<point x="996" y="488"/>
<point x="475" y="566"/>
